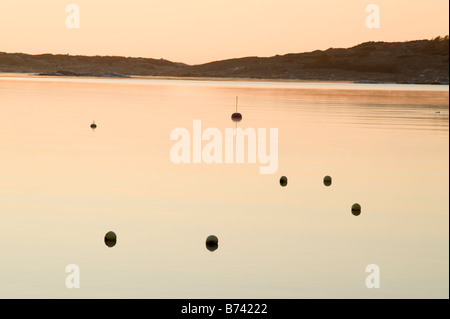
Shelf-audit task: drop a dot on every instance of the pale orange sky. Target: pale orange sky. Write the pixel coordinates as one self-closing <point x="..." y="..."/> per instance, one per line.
<point x="200" y="31"/>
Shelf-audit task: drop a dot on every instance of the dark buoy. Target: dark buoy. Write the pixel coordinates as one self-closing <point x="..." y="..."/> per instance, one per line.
<point x="236" y="117"/>
<point x="110" y="239"/>
<point x="356" y="209"/>
<point x="283" y="181"/>
<point x="93" y="125"/>
<point x="212" y="242"/>
<point x="327" y="180"/>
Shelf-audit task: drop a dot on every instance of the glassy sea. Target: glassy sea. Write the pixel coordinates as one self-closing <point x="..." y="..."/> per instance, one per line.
<point x="64" y="186"/>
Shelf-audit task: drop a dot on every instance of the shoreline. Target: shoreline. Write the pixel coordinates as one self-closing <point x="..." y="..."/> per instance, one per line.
<point x="434" y="96"/>
<point x="214" y="79"/>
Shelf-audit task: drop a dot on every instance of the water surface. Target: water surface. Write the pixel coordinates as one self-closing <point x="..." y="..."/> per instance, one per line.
<point x="63" y="186"/>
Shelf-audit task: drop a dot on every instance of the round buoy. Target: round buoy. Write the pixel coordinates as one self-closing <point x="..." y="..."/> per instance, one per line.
<point x="283" y="181"/>
<point x="212" y="242"/>
<point x="236" y="117"/>
<point x="110" y="239"/>
<point x="356" y="209"/>
<point x="327" y="180"/>
<point x="93" y="125"/>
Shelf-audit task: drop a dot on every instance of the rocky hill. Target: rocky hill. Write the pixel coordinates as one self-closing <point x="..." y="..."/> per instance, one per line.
<point x="421" y="61"/>
<point x="83" y="65"/>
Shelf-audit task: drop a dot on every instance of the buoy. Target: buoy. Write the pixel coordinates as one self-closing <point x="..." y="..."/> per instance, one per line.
<point x="212" y="242"/>
<point x="356" y="209"/>
<point x="110" y="239"/>
<point x="93" y="125"/>
<point x="236" y="117"/>
<point x="327" y="180"/>
<point x="283" y="181"/>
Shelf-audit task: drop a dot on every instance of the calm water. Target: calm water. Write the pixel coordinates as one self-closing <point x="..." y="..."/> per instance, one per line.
<point x="63" y="186"/>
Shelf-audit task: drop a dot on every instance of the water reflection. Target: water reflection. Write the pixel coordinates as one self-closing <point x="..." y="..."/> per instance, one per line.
<point x="388" y="151"/>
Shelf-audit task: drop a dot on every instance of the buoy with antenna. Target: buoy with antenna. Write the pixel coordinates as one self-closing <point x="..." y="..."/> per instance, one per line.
<point x="93" y="125"/>
<point x="236" y="117"/>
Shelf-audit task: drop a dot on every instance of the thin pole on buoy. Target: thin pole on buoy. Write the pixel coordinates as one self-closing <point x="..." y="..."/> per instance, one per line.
<point x="236" y="111"/>
<point x="236" y="117"/>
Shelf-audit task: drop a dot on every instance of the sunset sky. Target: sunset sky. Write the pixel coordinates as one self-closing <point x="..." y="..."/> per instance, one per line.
<point x="200" y="31"/>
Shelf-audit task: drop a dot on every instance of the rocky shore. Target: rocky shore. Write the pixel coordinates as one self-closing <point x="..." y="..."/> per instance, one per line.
<point x="87" y="74"/>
